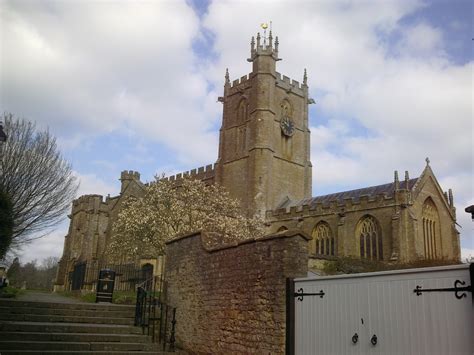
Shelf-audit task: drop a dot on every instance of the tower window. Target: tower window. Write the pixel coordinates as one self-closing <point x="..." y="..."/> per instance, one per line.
<point x="242" y="111"/>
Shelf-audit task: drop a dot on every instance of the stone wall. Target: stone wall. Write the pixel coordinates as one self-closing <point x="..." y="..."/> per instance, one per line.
<point x="231" y="299"/>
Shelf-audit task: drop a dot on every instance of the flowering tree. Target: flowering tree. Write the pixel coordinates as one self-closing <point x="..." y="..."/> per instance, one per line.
<point x="168" y="209"/>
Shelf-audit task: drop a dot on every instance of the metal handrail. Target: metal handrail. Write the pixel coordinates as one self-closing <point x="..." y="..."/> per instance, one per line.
<point x="145" y="308"/>
<point x="145" y="313"/>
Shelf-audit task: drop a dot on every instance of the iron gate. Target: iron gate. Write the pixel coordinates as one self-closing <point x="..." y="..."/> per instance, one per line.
<point x="413" y="311"/>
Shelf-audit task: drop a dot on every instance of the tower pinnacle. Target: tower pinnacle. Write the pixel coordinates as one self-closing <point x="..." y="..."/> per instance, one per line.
<point x="227" y="79"/>
<point x="267" y="48"/>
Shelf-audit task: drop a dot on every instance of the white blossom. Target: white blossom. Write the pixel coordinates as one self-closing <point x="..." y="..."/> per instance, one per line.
<point x="168" y="209"/>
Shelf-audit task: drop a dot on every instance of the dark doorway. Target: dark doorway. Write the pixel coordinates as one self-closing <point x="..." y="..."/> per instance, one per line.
<point x="78" y="276"/>
<point x="147" y="271"/>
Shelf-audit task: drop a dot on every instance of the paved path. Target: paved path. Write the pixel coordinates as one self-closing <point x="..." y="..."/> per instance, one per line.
<point x="39" y="296"/>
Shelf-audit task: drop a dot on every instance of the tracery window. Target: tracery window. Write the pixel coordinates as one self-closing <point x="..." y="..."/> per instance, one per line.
<point x="242" y="111"/>
<point x="323" y="240"/>
<point x="370" y="239"/>
<point x="430" y="221"/>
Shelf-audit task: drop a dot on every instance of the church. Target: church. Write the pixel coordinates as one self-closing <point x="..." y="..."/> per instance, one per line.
<point x="264" y="161"/>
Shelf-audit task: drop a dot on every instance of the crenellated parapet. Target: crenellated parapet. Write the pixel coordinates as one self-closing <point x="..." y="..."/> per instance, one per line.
<point x="128" y="176"/>
<point x="290" y="85"/>
<point x="89" y="204"/>
<point x="237" y="82"/>
<point x="345" y="205"/>
<point x="203" y="173"/>
<point x="264" y="46"/>
<point x="238" y="86"/>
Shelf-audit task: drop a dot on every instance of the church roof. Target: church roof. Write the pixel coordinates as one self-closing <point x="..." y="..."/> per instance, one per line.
<point x="371" y="191"/>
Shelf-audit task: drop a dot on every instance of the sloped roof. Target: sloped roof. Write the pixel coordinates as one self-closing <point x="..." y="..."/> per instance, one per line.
<point x="371" y="191"/>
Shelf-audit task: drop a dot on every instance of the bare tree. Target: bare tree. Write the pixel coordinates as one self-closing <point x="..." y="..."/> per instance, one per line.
<point x="36" y="178"/>
<point x="6" y="223"/>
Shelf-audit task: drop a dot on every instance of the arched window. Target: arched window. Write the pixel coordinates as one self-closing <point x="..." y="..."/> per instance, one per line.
<point x="242" y="111"/>
<point x="323" y="240"/>
<point x="286" y="109"/>
<point x="430" y="221"/>
<point x="370" y="238"/>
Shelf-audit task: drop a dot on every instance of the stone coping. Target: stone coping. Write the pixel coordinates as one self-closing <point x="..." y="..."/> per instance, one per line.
<point x="206" y="234"/>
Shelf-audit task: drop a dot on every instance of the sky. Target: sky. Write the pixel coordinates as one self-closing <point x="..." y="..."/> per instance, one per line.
<point x="133" y="85"/>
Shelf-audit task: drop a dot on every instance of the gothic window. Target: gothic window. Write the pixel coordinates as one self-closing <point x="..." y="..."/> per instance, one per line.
<point x="286" y="109"/>
<point x="370" y="239"/>
<point x="430" y="221"/>
<point x="242" y="111"/>
<point x="323" y="240"/>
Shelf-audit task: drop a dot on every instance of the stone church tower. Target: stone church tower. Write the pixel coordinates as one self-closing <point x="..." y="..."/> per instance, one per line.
<point x="264" y="145"/>
<point x="264" y="161"/>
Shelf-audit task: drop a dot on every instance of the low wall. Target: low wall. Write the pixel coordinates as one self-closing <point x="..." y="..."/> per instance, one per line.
<point x="231" y="299"/>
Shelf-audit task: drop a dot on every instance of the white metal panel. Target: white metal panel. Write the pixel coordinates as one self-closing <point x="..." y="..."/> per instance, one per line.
<point x="384" y="304"/>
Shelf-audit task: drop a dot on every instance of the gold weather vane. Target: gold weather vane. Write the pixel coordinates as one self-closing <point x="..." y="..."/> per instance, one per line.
<point x="264" y="25"/>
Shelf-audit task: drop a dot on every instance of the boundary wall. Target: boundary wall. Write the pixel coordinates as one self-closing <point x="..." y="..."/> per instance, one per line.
<point x="231" y="298"/>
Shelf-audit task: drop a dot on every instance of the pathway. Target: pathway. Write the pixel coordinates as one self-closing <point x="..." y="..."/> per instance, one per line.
<point x="38" y="296"/>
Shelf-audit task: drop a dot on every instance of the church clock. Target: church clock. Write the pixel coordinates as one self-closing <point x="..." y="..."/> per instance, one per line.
<point x="287" y="126"/>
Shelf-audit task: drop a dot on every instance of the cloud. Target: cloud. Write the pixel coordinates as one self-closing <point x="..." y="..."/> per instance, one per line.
<point x="388" y="95"/>
<point x="90" y="184"/>
<point x="50" y="245"/>
<point x="105" y="66"/>
<point x="421" y="39"/>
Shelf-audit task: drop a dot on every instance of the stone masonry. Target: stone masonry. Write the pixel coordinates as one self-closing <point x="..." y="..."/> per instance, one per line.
<point x="264" y="161"/>
<point x="231" y="299"/>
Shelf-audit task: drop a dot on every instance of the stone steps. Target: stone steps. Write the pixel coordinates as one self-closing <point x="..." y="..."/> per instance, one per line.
<point x="74" y="346"/>
<point x="81" y="306"/>
<point x="69" y="312"/>
<point x="74" y="337"/>
<point x="52" y="327"/>
<point x="72" y="328"/>
<point x="64" y="319"/>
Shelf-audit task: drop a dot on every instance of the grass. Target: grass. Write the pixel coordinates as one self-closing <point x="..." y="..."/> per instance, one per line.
<point x="10" y="292"/>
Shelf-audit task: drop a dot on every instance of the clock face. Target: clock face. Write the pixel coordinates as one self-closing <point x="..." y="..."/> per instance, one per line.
<point x="287" y="126"/>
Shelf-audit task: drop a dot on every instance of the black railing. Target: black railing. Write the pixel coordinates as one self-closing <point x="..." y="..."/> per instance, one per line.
<point x="128" y="276"/>
<point x="149" y="310"/>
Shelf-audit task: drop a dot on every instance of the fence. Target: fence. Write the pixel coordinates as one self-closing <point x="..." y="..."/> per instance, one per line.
<point x="414" y="311"/>
<point x="128" y="276"/>
<point x="151" y="312"/>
